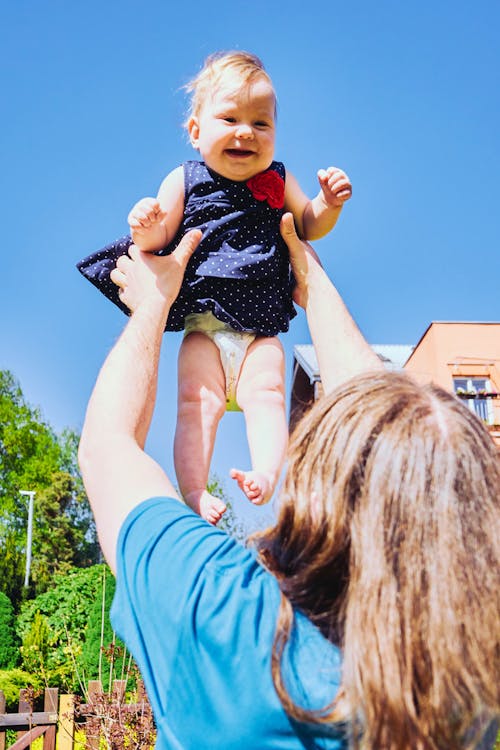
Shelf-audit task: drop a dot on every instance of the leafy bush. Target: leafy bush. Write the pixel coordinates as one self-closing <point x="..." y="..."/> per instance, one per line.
<point x="107" y="724"/>
<point x="52" y="626"/>
<point x="14" y="680"/>
<point x="9" y="643"/>
<point x="35" y="648"/>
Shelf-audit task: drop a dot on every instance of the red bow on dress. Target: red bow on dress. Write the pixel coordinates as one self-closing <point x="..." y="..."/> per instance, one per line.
<point x="268" y="186"/>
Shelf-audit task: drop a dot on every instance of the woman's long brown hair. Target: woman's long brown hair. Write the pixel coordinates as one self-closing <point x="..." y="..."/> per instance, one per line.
<point x="388" y="539"/>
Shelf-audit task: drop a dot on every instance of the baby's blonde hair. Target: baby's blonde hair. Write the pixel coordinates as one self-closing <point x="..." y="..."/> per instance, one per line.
<point x="246" y="66"/>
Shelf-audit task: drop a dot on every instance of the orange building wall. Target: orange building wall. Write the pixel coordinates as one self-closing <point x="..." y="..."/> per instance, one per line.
<point x="448" y="350"/>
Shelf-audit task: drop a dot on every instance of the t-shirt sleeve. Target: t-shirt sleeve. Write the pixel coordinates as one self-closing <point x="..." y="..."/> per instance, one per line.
<point x="176" y="574"/>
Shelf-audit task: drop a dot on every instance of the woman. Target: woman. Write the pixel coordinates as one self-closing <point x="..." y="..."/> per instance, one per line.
<point x="370" y="617"/>
<point x="390" y="516"/>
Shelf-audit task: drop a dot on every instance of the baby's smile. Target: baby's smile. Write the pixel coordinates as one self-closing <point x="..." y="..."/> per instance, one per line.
<point x="238" y="152"/>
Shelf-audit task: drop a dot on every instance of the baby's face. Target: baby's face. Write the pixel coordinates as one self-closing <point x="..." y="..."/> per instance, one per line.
<point x="235" y="129"/>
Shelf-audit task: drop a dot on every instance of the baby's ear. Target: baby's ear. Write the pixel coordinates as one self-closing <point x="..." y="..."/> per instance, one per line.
<point x="193" y="128"/>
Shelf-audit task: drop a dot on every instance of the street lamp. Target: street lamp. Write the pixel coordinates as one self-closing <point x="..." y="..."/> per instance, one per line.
<point x="31" y="495"/>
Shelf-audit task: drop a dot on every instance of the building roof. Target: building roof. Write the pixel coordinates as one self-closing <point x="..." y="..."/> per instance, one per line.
<point x="306" y="357"/>
<point x="393" y="356"/>
<point x="453" y="323"/>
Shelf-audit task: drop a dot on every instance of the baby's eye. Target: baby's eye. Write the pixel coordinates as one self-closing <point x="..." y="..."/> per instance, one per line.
<point x="229" y="119"/>
<point x="261" y="124"/>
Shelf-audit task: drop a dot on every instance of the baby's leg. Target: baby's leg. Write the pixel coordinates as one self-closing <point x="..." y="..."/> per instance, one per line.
<point x="261" y="395"/>
<point x="201" y="404"/>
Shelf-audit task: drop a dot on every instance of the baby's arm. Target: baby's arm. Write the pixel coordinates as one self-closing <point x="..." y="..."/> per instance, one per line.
<point x="155" y="221"/>
<point x="315" y="218"/>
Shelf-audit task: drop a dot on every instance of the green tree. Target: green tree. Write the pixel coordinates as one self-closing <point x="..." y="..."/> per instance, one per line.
<point x="52" y="627"/>
<point x="61" y="540"/>
<point x="33" y="457"/>
<point x="36" y="645"/>
<point x="9" y="646"/>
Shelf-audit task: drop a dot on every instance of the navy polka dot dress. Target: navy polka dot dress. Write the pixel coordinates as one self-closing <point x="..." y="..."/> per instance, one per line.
<point x="240" y="270"/>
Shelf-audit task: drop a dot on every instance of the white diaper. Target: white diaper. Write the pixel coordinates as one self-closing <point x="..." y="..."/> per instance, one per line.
<point x="232" y="346"/>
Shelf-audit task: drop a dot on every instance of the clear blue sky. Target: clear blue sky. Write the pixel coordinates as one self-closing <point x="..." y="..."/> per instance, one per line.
<point x="403" y="96"/>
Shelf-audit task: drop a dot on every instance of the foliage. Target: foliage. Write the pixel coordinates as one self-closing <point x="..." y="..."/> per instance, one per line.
<point x="113" y="717"/>
<point x="9" y="649"/>
<point x="99" y="634"/>
<point x="52" y="626"/>
<point x="60" y="542"/>
<point x="14" y="680"/>
<point x="230" y="523"/>
<point x="116" y="720"/>
<point x="33" y="457"/>
<point x="36" y="644"/>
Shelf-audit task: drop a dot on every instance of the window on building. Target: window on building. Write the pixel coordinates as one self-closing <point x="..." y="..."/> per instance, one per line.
<point x="474" y="392"/>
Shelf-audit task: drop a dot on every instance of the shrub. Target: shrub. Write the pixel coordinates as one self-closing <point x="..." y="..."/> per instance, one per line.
<point x="9" y="643"/>
<point x="14" y="680"/>
<point x="35" y="648"/>
<point x="52" y="626"/>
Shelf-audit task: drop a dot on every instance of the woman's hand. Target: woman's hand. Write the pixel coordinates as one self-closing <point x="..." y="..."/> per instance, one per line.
<point x="340" y="346"/>
<point x="305" y="263"/>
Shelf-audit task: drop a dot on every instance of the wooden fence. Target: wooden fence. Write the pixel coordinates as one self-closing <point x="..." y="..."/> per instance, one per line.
<point x="57" y="717"/>
<point x="63" y="714"/>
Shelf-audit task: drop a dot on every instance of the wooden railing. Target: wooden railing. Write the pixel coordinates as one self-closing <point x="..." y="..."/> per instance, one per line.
<point x="101" y="716"/>
<point x="57" y="716"/>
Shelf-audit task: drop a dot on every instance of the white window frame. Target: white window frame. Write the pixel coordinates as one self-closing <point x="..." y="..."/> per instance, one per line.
<point x="472" y="386"/>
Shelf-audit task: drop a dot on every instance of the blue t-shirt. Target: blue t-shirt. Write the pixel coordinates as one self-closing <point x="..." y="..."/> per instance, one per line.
<point x="198" y="613"/>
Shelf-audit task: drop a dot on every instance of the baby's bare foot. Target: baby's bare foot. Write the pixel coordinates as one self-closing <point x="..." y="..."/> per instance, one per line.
<point x="257" y="486"/>
<point x="207" y="506"/>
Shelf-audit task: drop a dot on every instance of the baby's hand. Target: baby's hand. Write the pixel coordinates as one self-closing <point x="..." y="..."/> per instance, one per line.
<point x="145" y="214"/>
<point x="336" y="186"/>
<point x="147" y="225"/>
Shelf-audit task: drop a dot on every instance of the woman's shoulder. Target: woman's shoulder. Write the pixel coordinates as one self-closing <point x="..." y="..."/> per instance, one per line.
<point x="164" y="530"/>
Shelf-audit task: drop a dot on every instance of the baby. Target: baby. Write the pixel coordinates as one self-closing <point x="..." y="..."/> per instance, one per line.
<point x="236" y="294"/>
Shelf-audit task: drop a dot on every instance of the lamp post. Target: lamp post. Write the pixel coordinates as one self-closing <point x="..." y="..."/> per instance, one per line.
<point x="31" y="495"/>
